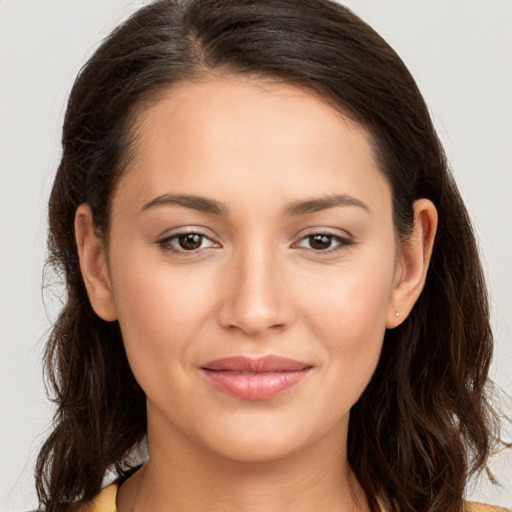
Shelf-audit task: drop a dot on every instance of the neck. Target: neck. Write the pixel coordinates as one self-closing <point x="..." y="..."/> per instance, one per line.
<point x="183" y="477"/>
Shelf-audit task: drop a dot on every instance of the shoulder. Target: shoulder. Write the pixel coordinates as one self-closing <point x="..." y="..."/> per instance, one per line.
<point x="471" y="506"/>
<point x="104" y="502"/>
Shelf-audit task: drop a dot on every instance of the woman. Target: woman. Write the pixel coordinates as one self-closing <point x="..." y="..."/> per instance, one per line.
<point x="271" y="275"/>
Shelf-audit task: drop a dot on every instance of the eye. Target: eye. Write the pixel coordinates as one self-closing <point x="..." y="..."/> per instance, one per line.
<point x="187" y="242"/>
<point x="324" y="242"/>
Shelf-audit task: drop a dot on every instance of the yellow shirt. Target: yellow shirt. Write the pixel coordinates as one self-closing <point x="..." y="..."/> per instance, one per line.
<point x="106" y="502"/>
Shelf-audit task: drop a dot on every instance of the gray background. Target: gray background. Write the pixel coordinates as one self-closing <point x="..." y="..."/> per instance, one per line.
<point x="458" y="50"/>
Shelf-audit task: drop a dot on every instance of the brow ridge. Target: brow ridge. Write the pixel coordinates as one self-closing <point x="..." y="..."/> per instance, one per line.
<point x="323" y="203"/>
<point x="193" y="202"/>
<point x="297" y="208"/>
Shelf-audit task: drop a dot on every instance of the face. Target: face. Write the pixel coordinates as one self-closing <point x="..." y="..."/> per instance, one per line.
<point x="253" y="266"/>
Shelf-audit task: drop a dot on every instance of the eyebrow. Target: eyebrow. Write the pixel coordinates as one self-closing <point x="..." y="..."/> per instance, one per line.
<point x="199" y="203"/>
<point x="323" y="203"/>
<point x="297" y="208"/>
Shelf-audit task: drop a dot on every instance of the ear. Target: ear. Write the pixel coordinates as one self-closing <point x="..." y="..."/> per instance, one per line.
<point x="412" y="263"/>
<point x="93" y="265"/>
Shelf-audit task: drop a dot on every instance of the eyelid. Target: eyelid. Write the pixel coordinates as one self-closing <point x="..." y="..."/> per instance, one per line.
<point x="344" y="240"/>
<point x="164" y="241"/>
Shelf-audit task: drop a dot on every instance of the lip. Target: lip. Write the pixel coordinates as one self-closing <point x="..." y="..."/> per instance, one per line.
<point x="255" y="378"/>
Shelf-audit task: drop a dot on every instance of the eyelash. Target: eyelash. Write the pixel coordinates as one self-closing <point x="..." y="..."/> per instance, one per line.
<point x="166" y="243"/>
<point x="342" y="243"/>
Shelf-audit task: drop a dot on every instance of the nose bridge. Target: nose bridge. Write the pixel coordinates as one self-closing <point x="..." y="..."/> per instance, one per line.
<point x="256" y="299"/>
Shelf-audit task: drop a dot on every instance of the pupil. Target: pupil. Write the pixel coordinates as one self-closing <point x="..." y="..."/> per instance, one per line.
<point x="190" y="241"/>
<point x="320" y="241"/>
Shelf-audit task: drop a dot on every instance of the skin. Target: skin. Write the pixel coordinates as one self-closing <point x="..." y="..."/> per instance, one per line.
<point x="255" y="286"/>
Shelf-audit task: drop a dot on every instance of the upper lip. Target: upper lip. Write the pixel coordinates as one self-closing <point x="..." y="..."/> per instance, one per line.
<point x="270" y="363"/>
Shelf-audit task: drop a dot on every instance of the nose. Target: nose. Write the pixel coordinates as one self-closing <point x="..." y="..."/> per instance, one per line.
<point x="255" y="295"/>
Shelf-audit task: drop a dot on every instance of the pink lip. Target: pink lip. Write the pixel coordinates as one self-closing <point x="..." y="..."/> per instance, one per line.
<point x="255" y="379"/>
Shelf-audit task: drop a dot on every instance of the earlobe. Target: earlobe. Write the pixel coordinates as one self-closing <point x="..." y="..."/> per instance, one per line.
<point x="93" y="265"/>
<point x="414" y="260"/>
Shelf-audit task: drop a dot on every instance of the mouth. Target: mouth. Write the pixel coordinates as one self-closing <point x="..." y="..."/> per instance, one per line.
<point x="255" y="379"/>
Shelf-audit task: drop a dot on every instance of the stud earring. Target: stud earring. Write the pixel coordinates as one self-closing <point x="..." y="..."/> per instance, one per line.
<point x="397" y="314"/>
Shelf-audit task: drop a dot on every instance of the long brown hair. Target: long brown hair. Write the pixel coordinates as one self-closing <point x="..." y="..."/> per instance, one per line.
<point x="424" y="424"/>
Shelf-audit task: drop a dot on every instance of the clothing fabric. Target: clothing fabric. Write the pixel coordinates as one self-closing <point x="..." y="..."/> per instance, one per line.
<point x="106" y="502"/>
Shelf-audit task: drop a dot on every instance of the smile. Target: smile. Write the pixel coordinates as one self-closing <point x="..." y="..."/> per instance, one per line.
<point x="255" y="379"/>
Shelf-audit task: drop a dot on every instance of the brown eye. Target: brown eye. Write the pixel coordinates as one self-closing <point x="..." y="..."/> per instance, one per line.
<point x="324" y="243"/>
<point x="186" y="242"/>
<point x="320" y="242"/>
<point x="190" y="241"/>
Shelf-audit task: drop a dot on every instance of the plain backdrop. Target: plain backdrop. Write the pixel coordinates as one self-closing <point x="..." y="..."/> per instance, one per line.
<point x="458" y="50"/>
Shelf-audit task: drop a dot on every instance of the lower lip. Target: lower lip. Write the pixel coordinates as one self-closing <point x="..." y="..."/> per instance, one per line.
<point x="257" y="385"/>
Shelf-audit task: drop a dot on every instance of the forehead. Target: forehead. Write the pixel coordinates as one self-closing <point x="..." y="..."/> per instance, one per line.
<point x="239" y="134"/>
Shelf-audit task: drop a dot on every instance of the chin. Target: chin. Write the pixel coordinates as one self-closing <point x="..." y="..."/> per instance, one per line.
<point x="262" y="438"/>
<point x="257" y="448"/>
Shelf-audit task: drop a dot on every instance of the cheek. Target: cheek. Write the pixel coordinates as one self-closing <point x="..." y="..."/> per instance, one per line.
<point x="160" y="314"/>
<point x="348" y="314"/>
<point x="354" y="295"/>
